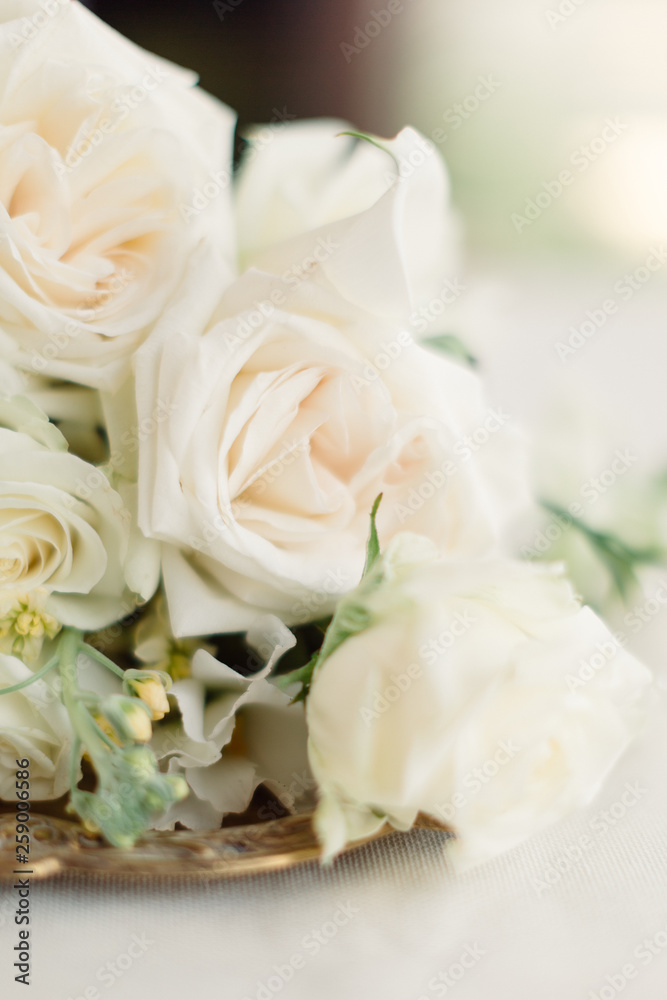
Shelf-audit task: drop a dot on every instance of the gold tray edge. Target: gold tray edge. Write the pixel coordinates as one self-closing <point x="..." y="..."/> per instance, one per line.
<point x="60" y="847"/>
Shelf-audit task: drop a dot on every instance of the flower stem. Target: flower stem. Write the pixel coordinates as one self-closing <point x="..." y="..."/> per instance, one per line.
<point x="86" y="729"/>
<point x="31" y="680"/>
<point x="101" y="658"/>
<point x="74" y="764"/>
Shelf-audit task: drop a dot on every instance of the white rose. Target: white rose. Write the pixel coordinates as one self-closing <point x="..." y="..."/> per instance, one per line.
<point x="114" y="166"/>
<point x="313" y="203"/>
<point x="481" y="694"/>
<point x="63" y="529"/>
<point x="33" y="724"/>
<point x="281" y="424"/>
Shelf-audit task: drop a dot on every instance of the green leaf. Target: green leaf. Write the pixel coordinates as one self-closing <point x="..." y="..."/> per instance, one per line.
<point x="351" y="617"/>
<point x="620" y="559"/>
<point x="373" y="546"/>
<point x="449" y="343"/>
<point x="302" y="675"/>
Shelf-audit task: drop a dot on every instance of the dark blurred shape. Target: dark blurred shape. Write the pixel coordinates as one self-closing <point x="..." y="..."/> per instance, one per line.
<point x="258" y="55"/>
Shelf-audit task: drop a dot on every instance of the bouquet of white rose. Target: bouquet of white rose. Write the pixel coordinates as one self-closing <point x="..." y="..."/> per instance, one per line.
<point x="255" y="512"/>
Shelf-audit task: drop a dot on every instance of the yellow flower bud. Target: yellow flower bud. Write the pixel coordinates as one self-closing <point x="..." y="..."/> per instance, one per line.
<point x="139" y="724"/>
<point x="149" y="686"/>
<point x="129" y="717"/>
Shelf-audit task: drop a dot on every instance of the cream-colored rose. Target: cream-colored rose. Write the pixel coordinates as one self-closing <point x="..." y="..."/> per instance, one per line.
<point x="63" y="529"/>
<point x="481" y="694"/>
<point x="33" y="724"/>
<point x="314" y="203"/>
<point x="280" y="426"/>
<point x="114" y="166"/>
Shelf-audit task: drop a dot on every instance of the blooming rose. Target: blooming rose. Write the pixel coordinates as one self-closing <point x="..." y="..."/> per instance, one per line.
<point x="281" y="424"/>
<point x="33" y="724"/>
<point x="311" y="202"/>
<point x="481" y="694"/>
<point x="114" y="166"/>
<point x="63" y="529"/>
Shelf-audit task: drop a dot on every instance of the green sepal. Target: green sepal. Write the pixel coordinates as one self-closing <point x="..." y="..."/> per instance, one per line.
<point x="350" y="618"/>
<point x="449" y="343"/>
<point x="365" y="137"/>
<point x="373" y="544"/>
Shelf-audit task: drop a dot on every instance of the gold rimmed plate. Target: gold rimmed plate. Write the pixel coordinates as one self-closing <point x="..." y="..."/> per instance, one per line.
<point x="59" y="845"/>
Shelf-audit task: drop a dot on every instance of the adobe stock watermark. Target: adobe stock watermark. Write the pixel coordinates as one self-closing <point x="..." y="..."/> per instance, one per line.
<point x="422" y="317"/>
<point x="446" y="979"/>
<point x="600" y="824"/>
<point x="319" y="602"/>
<point x="635" y="620"/>
<point x="563" y="12"/>
<point x="220" y="180"/>
<point x="131" y="439"/>
<point x="474" y="780"/>
<point x="93" y="306"/>
<point x="455" y="116"/>
<point x="226" y="517"/>
<point x="589" y="668"/>
<point x="400" y="682"/>
<point x="644" y="612"/>
<point x="90" y="309"/>
<point x="625" y="289"/>
<point x="29" y="26"/>
<point x="644" y="954"/>
<point x="311" y="945"/>
<point x="590" y="492"/>
<point x="458" y="114"/>
<point x="383" y="700"/>
<point x="580" y="160"/>
<point x="111" y="972"/>
<point x="392" y="349"/>
<point x="364" y="34"/>
<point x="224" y="7"/>
<point x="254" y="318"/>
<point x="462" y="451"/>
<point x="140" y="432"/>
<point x="406" y="164"/>
<point x="126" y="102"/>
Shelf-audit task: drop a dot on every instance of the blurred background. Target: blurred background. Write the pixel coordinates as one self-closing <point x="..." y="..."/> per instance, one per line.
<point x="509" y="91"/>
<point x="552" y="118"/>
